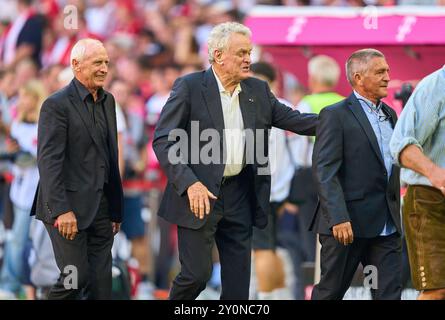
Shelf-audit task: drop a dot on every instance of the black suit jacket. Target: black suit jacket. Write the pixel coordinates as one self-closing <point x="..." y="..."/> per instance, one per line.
<point x="71" y="164"/>
<point x="350" y="172"/>
<point x="195" y="97"/>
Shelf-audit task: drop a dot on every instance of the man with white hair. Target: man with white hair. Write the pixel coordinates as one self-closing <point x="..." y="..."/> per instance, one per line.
<point x="79" y="198"/>
<point x="221" y="199"/>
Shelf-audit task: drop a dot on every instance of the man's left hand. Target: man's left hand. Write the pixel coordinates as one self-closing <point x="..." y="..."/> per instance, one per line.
<point x="116" y="227"/>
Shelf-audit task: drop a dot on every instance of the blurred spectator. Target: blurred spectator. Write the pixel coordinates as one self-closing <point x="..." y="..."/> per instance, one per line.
<point x="323" y="76"/>
<point x="147" y="44"/>
<point x="126" y="18"/>
<point x="25" y="71"/>
<point x="269" y="266"/>
<point x="23" y="38"/>
<point x="7" y="96"/>
<point x="7" y="92"/>
<point x="42" y="262"/>
<point x="64" y="78"/>
<point x="161" y="91"/>
<point x="162" y="80"/>
<point x="23" y="153"/>
<point x="187" y="49"/>
<point x="134" y="155"/>
<point x="59" y="39"/>
<point x="100" y="17"/>
<point x="416" y="2"/>
<point x="50" y="77"/>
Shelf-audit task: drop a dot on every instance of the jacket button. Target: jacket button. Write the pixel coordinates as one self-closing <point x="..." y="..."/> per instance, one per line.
<point x="385" y="174"/>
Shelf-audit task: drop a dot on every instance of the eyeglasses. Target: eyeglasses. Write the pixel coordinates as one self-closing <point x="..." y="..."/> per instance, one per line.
<point x="381" y="117"/>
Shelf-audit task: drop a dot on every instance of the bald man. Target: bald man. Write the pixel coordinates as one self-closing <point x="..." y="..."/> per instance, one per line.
<point x="79" y="198"/>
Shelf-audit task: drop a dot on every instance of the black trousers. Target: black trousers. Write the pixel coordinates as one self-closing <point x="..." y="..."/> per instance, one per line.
<point x="85" y="262"/>
<point x="230" y="226"/>
<point x="339" y="263"/>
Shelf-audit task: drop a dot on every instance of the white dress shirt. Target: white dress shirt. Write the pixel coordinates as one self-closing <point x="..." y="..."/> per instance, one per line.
<point x="234" y="137"/>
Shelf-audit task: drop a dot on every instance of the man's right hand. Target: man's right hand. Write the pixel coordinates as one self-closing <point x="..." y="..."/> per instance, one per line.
<point x="67" y="225"/>
<point x="199" y="199"/>
<point x="343" y="233"/>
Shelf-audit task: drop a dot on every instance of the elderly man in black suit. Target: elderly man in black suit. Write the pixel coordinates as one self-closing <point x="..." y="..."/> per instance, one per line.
<point x="219" y="197"/>
<point x="80" y="192"/>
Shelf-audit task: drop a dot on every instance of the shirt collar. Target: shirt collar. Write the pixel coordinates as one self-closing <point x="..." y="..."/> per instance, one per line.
<point x="368" y="102"/>
<point x="84" y="93"/>
<point x="221" y="87"/>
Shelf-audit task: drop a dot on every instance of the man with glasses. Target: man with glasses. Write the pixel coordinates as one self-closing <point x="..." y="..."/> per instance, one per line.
<point x="358" y="214"/>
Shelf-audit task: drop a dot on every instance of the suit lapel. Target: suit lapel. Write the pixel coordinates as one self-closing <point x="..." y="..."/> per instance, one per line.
<point x="393" y="119"/>
<point x="213" y="100"/>
<point x="357" y="110"/>
<point x="391" y="112"/>
<point x="247" y="105"/>
<point x="80" y="107"/>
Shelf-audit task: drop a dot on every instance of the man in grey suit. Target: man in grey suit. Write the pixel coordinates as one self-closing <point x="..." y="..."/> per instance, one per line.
<point x="79" y="198"/>
<point x="221" y="199"/>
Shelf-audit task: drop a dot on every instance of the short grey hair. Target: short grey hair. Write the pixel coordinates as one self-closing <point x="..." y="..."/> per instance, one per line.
<point x="220" y="34"/>
<point x="324" y="69"/>
<point x="358" y="62"/>
<point x="80" y="48"/>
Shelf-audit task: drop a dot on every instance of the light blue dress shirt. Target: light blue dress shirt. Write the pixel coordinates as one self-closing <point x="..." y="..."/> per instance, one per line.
<point x="381" y="125"/>
<point x="422" y="123"/>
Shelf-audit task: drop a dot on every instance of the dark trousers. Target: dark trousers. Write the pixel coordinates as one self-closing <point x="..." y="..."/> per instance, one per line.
<point x="339" y="263"/>
<point x="85" y="262"/>
<point x="230" y="225"/>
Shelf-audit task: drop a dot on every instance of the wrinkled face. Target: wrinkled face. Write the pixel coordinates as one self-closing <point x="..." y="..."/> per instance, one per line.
<point x="93" y="68"/>
<point x="235" y="59"/>
<point x="374" y="82"/>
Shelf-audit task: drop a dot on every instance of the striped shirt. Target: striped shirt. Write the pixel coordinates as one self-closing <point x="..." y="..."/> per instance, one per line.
<point x="422" y="123"/>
